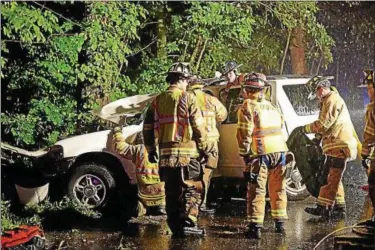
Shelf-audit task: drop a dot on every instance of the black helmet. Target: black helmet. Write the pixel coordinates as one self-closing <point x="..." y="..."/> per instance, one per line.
<point x="230" y="66"/>
<point x="181" y="68"/>
<point x="316" y="82"/>
<point x="368" y="79"/>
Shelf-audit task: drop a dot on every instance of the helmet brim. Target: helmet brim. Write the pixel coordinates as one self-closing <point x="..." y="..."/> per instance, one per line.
<point x="231" y="69"/>
<point x="179" y="73"/>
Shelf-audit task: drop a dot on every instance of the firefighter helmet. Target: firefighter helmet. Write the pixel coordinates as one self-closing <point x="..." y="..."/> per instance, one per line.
<point x="181" y="68"/>
<point x="230" y="66"/>
<point x="255" y="81"/>
<point x="368" y="79"/>
<point x="314" y="83"/>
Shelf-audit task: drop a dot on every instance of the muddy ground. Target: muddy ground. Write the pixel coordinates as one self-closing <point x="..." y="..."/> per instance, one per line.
<point x="225" y="230"/>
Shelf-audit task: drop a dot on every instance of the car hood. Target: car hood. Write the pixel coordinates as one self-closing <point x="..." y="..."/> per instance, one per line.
<point x="117" y="111"/>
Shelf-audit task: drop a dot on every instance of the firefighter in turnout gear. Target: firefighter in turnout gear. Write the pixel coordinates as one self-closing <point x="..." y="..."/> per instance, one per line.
<point x="213" y="112"/>
<point x="368" y="155"/>
<point x="150" y="188"/>
<point x="232" y="76"/>
<point x="340" y="143"/>
<point x="173" y="131"/>
<point x="263" y="148"/>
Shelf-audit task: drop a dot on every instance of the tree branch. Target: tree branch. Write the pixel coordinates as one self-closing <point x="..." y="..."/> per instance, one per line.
<point x="148" y="45"/>
<point x="285" y="52"/>
<point x="58" y="14"/>
<point x="200" y="55"/>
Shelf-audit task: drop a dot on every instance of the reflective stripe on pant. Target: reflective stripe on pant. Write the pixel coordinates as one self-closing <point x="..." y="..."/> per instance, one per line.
<point x="340" y="197"/>
<point x="333" y="190"/>
<point x="152" y="194"/>
<point x="371" y="182"/>
<point x="274" y="171"/>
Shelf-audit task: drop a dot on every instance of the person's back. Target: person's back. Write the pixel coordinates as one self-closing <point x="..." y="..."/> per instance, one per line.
<point x="172" y="114"/>
<point x="265" y="121"/>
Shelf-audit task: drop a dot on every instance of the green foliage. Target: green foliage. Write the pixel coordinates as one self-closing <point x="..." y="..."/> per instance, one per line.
<point x="10" y="221"/>
<point x="56" y="69"/>
<point x="34" y="215"/>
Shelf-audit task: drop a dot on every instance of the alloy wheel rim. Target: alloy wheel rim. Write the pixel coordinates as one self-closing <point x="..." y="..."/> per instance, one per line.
<point x="89" y="190"/>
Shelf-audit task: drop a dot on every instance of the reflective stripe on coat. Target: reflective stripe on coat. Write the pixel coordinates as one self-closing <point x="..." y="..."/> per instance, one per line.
<point x="259" y="128"/>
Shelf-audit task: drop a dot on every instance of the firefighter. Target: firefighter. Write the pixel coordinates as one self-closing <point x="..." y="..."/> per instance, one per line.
<point x="232" y="76"/>
<point x="150" y="188"/>
<point x="173" y="131"/>
<point x="263" y="148"/>
<point x="339" y="140"/>
<point x="367" y="153"/>
<point x="213" y="112"/>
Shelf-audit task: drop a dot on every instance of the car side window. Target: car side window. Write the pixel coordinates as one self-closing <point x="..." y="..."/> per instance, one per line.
<point x="297" y="95"/>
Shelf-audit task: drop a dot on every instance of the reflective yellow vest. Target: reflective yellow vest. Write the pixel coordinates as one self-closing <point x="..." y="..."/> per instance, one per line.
<point x="259" y="128"/>
<point x="171" y="121"/>
<point x="150" y="189"/>
<point x="369" y="132"/>
<point x="213" y="112"/>
<point x="334" y="124"/>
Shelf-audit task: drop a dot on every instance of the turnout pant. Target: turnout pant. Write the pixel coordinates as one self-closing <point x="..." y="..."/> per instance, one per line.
<point x="213" y="158"/>
<point x="333" y="192"/>
<point x="269" y="167"/>
<point x="371" y="183"/>
<point x="184" y="190"/>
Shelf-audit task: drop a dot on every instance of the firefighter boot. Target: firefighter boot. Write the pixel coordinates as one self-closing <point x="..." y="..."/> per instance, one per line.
<point x="207" y="210"/>
<point x="339" y="212"/>
<point x="194" y="231"/>
<point x="280" y="227"/>
<point x="157" y="210"/>
<point x="255" y="231"/>
<point x="319" y="210"/>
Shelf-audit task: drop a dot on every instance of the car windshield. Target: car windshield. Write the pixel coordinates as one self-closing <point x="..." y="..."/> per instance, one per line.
<point x="297" y="95"/>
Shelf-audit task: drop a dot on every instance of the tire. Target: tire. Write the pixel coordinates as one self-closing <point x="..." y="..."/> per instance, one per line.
<point x="295" y="188"/>
<point x="91" y="185"/>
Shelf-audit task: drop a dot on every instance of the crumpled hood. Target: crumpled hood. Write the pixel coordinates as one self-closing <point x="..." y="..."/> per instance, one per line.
<point x="117" y="111"/>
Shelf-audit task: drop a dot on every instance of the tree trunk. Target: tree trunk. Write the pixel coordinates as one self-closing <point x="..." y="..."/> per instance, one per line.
<point x="161" y="32"/>
<point x="297" y="51"/>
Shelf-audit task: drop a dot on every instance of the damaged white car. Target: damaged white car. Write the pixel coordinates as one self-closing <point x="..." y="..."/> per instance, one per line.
<point x="96" y="172"/>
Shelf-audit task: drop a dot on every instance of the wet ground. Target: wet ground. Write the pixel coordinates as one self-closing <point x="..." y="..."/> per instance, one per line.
<point x="225" y="230"/>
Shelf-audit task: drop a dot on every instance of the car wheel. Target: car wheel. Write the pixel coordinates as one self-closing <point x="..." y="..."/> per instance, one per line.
<point x="91" y="185"/>
<point x="295" y="187"/>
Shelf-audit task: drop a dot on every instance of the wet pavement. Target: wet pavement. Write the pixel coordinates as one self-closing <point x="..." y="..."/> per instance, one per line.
<point x="225" y="230"/>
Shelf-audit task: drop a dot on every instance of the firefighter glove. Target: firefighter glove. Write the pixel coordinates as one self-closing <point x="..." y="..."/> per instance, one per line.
<point x="301" y="129"/>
